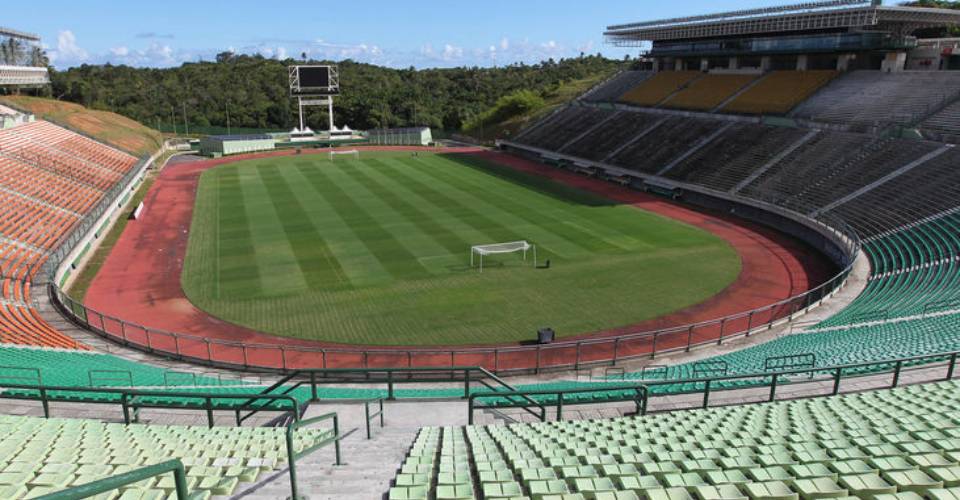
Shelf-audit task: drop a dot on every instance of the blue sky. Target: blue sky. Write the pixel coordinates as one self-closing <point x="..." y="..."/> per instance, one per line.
<point x="422" y="33"/>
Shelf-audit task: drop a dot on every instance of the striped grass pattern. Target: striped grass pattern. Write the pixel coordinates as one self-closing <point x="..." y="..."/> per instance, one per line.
<point x="376" y="251"/>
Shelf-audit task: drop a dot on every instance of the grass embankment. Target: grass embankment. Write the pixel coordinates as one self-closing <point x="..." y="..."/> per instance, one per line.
<point x="110" y="128"/>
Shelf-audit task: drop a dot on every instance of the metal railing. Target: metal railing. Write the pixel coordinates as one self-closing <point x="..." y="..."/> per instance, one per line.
<point x="645" y="391"/>
<point x="370" y="416"/>
<point x="293" y="455"/>
<point x="132" y="399"/>
<point x="561" y="355"/>
<point x="836" y="374"/>
<point x="639" y="397"/>
<point x="111" y="483"/>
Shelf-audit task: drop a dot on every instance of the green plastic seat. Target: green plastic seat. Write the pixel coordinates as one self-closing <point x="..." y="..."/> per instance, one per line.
<point x="721" y="492"/>
<point x="408" y="493"/>
<point x="866" y="485"/>
<point x="637" y="483"/>
<point x="912" y="480"/>
<point x="950" y="476"/>
<point x="821" y="487"/>
<point x="769" y="490"/>
<point x="454" y="492"/>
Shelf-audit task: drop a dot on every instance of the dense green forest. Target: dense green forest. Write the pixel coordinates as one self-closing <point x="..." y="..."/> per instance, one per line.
<point x="251" y="92"/>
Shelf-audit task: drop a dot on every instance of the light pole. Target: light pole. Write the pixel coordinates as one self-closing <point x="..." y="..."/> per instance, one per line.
<point x="186" y="126"/>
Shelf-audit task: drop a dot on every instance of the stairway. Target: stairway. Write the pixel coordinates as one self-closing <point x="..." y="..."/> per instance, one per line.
<point x="369" y="465"/>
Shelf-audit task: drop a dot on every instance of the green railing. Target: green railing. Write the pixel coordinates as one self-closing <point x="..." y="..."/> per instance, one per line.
<point x="128" y="399"/>
<point x="293" y="455"/>
<point x="635" y="392"/>
<point x="370" y="416"/>
<point x="645" y="391"/>
<point x="108" y="484"/>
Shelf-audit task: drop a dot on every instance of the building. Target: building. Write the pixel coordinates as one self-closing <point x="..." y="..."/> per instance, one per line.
<point x="827" y="35"/>
<point x="223" y="145"/>
<point x="21" y="61"/>
<point x="412" y="136"/>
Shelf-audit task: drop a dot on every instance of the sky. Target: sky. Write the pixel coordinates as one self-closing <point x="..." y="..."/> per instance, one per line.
<point x="420" y="33"/>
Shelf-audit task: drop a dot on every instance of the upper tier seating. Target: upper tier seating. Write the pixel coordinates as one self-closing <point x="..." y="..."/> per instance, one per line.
<point x="779" y="92"/>
<point x="666" y="142"/>
<point x="658" y="87"/>
<point x="600" y="142"/>
<point x="904" y="441"/>
<point x="41" y="456"/>
<point x="562" y="127"/>
<point x="612" y="89"/>
<point x="709" y="92"/>
<point x="946" y="121"/>
<point x="735" y="154"/>
<point x="875" y="97"/>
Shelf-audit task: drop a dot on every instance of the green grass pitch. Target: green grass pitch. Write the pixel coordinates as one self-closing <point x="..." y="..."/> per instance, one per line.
<point x="377" y="251"/>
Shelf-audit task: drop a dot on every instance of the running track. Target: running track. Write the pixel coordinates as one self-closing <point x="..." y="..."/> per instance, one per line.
<point x="140" y="283"/>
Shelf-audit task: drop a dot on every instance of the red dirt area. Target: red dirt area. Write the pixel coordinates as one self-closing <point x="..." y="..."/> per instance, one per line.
<point x="140" y="284"/>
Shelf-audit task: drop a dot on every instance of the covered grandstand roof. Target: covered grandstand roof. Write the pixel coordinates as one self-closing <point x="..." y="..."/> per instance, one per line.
<point x="831" y="14"/>
<point x="19" y="34"/>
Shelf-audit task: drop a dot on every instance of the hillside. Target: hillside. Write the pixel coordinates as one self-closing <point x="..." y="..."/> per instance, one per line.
<point x="514" y="112"/>
<point x="111" y="128"/>
<point x="250" y="92"/>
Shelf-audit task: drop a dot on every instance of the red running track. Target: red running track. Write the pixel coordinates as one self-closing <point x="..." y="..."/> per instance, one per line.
<point x="140" y="283"/>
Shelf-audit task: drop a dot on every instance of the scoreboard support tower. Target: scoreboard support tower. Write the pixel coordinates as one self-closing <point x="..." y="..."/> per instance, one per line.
<point x="314" y="86"/>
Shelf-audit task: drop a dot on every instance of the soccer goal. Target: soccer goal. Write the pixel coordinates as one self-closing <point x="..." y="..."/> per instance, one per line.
<point x="352" y="153"/>
<point x="478" y="252"/>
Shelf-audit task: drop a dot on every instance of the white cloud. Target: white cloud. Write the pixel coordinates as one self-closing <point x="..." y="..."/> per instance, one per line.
<point x="67" y="51"/>
<point x="120" y="51"/>
<point x="504" y="43"/>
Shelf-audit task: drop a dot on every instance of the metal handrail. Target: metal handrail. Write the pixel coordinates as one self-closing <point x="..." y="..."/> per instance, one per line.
<point x="293" y="455"/>
<point x="115" y="482"/>
<point x="128" y="400"/>
<point x="370" y="416"/>
<point x="640" y="398"/>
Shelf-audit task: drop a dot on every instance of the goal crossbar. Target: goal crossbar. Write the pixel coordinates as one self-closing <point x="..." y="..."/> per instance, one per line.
<point x="478" y="252"/>
<point x="351" y="152"/>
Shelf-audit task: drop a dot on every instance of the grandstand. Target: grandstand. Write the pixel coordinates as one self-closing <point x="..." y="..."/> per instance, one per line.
<point x="837" y="167"/>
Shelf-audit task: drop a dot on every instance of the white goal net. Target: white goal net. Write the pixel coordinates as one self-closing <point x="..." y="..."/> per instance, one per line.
<point x="350" y="153"/>
<point x="478" y="252"/>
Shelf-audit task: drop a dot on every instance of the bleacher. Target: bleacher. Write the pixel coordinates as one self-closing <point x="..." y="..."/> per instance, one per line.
<point x="945" y="122"/>
<point x="557" y="130"/>
<point x="42" y="456"/>
<point x="708" y="92"/>
<point x="874" y="97"/>
<point x="600" y="142"/>
<point x="50" y="178"/>
<point x="733" y="155"/>
<point x="655" y="89"/>
<point x="779" y="92"/>
<point x="900" y="443"/>
<point x="612" y="89"/>
<point x="672" y="138"/>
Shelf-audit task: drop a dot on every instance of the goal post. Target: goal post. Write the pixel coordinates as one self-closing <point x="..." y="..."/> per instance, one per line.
<point x="478" y="252"/>
<point x="353" y="153"/>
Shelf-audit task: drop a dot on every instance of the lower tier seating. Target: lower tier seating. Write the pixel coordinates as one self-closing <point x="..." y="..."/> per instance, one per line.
<point x="563" y="127"/>
<point x="40" y="456"/>
<point x="901" y="443"/>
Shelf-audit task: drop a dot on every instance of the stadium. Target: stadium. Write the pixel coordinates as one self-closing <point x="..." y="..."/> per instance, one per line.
<point x="729" y="271"/>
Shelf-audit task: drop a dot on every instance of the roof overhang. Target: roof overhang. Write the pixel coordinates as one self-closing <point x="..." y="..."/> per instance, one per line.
<point x="831" y="15"/>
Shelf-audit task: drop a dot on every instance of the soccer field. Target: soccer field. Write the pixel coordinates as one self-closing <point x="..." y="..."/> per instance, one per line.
<point x="377" y="251"/>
